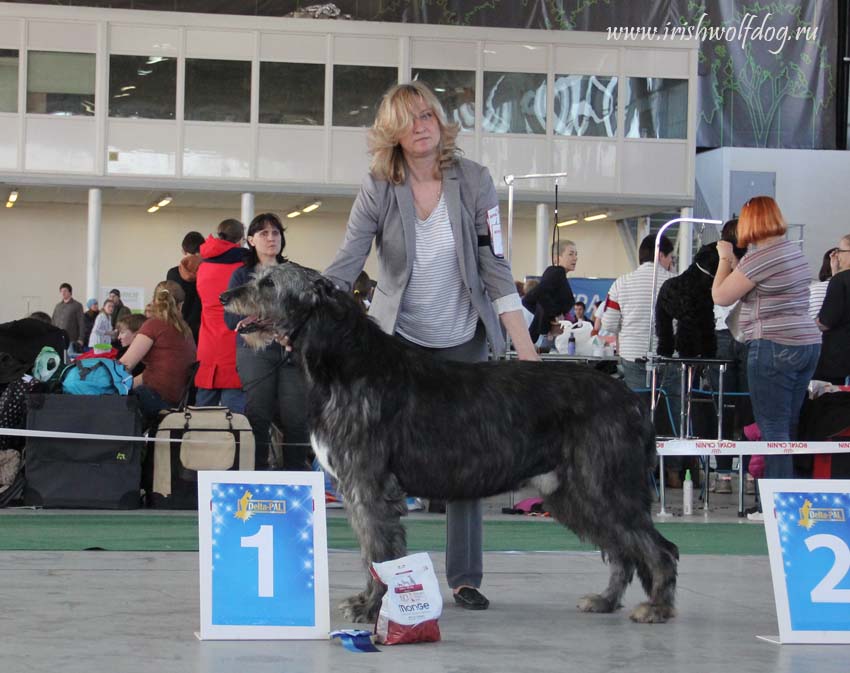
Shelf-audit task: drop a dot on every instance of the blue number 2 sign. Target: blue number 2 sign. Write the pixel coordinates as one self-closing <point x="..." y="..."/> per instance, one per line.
<point x="263" y="555"/>
<point x="808" y="532"/>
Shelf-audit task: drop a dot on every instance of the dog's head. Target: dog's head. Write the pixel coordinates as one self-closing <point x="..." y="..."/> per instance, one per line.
<point x="278" y="300"/>
<point x="706" y="258"/>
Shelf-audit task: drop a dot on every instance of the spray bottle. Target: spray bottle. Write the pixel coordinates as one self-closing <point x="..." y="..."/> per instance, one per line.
<point x="687" y="494"/>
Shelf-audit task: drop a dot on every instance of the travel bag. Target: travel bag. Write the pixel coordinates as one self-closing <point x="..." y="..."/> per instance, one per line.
<point x="227" y="443"/>
<point x="83" y="473"/>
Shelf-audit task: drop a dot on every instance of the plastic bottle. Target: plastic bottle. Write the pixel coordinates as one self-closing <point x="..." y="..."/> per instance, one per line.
<point x="687" y="494"/>
<point x="571" y="345"/>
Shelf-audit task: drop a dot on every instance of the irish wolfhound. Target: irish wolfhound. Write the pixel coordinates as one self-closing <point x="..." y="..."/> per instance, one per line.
<point x="388" y="420"/>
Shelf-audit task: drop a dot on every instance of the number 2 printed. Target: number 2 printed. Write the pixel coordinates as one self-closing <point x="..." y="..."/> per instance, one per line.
<point x="825" y="591"/>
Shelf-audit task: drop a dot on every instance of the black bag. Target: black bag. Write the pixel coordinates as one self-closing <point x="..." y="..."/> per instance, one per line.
<point x="171" y="469"/>
<point x="81" y="473"/>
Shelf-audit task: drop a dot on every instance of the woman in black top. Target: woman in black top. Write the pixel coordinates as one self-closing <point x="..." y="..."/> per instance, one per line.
<point x="834" y="320"/>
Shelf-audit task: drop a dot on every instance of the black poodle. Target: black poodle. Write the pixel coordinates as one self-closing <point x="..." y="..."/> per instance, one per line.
<point x="687" y="300"/>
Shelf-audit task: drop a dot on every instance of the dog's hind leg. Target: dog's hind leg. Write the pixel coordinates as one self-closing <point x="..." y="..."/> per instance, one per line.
<point x="565" y="509"/>
<point x="657" y="571"/>
<point x="622" y="570"/>
<point x="375" y="506"/>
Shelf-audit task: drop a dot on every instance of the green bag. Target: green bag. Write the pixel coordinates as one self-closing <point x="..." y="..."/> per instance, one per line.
<point x="48" y="364"/>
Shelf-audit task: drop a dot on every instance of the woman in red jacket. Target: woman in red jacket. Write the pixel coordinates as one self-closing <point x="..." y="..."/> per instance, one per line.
<point x="217" y="380"/>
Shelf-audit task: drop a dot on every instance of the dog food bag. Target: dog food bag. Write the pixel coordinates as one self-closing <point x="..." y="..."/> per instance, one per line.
<point x="413" y="603"/>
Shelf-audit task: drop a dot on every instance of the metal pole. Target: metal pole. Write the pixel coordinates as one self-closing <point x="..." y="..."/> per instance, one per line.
<point x="95" y="221"/>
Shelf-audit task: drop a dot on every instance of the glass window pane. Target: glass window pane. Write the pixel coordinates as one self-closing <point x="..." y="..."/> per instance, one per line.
<point x="292" y="93"/>
<point x="514" y="102"/>
<point x="217" y="90"/>
<point x="142" y="86"/>
<point x="656" y="108"/>
<point x="455" y="89"/>
<point x="60" y="83"/>
<point x="585" y="105"/>
<point x="357" y="92"/>
<point x="8" y="80"/>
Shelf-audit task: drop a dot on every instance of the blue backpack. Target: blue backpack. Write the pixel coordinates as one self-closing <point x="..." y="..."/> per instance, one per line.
<point x="96" y="376"/>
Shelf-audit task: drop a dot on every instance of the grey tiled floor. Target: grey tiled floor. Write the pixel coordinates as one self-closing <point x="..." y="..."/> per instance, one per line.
<point x="126" y="612"/>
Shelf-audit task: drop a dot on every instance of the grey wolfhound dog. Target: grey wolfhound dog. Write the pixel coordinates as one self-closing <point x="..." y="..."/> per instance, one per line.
<point x="388" y="420"/>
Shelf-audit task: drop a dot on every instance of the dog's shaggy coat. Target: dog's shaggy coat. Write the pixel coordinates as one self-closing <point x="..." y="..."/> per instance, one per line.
<point x="686" y="298"/>
<point x="388" y="420"/>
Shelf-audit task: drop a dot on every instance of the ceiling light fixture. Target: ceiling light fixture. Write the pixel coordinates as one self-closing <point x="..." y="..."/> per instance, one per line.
<point x="598" y="216"/>
<point x="13" y="196"/>
<point x="567" y="223"/>
<point x="164" y="200"/>
<point x="294" y="213"/>
<point x="313" y="206"/>
<point x="9" y="204"/>
<point x="153" y="208"/>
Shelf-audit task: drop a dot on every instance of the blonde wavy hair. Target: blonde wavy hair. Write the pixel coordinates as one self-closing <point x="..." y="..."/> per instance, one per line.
<point x="167" y="297"/>
<point x="394" y="119"/>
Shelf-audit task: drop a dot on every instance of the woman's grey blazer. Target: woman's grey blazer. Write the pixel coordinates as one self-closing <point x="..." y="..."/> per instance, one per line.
<point x="385" y="213"/>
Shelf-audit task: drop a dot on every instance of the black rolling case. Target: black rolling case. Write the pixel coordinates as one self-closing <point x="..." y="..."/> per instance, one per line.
<point x="83" y="473"/>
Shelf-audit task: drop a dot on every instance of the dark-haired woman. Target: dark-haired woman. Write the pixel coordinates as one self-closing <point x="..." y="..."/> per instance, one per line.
<point x="273" y="385"/>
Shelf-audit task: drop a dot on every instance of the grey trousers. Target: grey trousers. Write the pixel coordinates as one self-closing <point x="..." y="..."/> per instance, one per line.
<point x="275" y="393"/>
<point x="464" y="557"/>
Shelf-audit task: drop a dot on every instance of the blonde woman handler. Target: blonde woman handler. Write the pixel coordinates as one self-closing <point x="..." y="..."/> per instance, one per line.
<point x="443" y="283"/>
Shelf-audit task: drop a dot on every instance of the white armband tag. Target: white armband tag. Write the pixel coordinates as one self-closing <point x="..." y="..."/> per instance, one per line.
<point x="495" y="226"/>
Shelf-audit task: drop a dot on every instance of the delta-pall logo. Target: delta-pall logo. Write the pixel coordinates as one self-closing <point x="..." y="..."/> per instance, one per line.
<point x="809" y="515"/>
<point x="247" y="506"/>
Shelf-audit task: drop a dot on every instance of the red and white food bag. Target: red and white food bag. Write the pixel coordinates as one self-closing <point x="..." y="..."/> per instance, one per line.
<point x="412" y="605"/>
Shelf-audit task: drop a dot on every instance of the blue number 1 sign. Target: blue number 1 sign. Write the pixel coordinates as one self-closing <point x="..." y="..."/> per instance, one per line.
<point x="807" y="523"/>
<point x="263" y="555"/>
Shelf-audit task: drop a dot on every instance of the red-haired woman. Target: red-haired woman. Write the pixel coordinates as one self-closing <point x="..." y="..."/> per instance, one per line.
<point x="772" y="282"/>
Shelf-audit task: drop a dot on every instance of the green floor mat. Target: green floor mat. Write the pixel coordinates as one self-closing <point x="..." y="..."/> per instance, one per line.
<point x="179" y="532"/>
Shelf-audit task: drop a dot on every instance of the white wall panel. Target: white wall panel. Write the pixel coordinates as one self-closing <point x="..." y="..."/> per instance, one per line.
<point x="216" y="150"/>
<point x="144" y="40"/>
<point x="349" y="156"/>
<point x="9" y="141"/>
<point x="365" y="50"/>
<point x="10" y="33"/>
<point x="220" y="44"/>
<point x="293" y="47"/>
<point x="443" y="54"/>
<point x="591" y="165"/>
<point x="60" y="144"/>
<point x="62" y="36"/>
<point x="657" y="63"/>
<point x="513" y="155"/>
<point x="140" y="147"/>
<point x="652" y="167"/>
<point x="291" y="154"/>
<point x="585" y="61"/>
<point x="515" y="56"/>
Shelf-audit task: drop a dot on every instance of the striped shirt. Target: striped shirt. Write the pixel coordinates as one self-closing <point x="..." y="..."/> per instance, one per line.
<point x="777" y="308"/>
<point x="436" y="310"/>
<point x="627" y="310"/>
<point x="817" y="293"/>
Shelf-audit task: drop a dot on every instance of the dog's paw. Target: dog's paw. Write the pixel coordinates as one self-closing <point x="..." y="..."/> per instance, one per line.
<point x="596" y="603"/>
<point x="356" y="609"/>
<point x="649" y="613"/>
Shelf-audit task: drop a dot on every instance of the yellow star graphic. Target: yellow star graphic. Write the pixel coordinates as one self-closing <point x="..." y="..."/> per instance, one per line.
<point x="805" y="521"/>
<point x="242" y="511"/>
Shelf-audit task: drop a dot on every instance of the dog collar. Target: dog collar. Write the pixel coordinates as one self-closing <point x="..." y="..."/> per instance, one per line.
<point x="705" y="271"/>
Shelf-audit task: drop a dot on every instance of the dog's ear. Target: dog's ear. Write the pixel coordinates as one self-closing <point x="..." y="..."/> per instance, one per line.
<point x="324" y="288"/>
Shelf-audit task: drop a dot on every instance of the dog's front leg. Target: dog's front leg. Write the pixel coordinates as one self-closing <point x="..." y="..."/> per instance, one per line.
<point x="374" y="505"/>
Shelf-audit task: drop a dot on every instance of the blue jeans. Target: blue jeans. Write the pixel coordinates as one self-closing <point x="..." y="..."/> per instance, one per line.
<point x="232" y="398"/>
<point x="779" y="377"/>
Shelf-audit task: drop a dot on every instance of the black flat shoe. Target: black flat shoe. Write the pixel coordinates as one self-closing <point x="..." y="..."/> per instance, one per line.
<point x="471" y="599"/>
